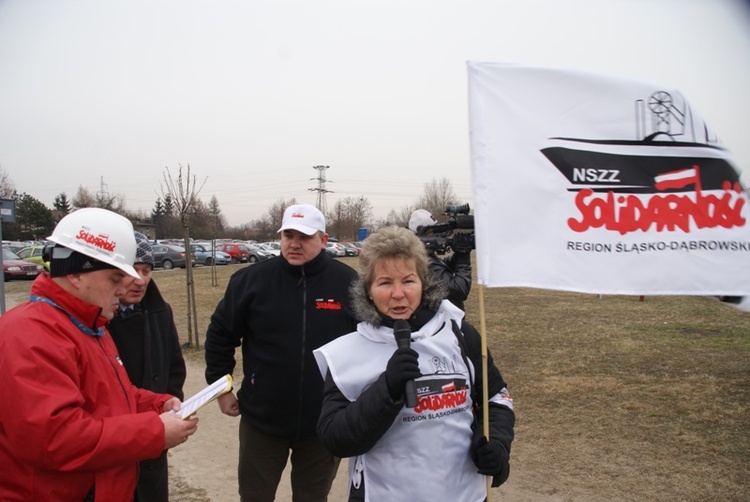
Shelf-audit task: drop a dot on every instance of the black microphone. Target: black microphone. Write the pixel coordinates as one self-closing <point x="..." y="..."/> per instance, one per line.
<point x="402" y="333"/>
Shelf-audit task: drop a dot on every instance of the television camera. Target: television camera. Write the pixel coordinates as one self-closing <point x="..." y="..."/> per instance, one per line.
<point x="456" y="234"/>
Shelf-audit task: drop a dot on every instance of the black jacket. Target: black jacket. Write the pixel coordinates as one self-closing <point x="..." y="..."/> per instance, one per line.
<point x="280" y="313"/>
<point x="149" y="348"/>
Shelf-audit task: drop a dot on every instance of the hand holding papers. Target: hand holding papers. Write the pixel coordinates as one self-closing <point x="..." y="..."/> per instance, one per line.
<point x="205" y="396"/>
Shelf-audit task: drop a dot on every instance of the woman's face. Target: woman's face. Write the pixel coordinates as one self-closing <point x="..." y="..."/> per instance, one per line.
<point x="396" y="289"/>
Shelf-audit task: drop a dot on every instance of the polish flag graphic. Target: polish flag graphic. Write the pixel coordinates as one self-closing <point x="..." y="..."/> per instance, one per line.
<point x="678" y="179"/>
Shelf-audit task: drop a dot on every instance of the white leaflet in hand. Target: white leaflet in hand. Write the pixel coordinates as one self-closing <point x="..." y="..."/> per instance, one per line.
<point x="205" y="396"/>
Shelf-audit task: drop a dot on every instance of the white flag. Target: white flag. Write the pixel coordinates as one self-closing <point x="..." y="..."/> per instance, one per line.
<point x="597" y="184"/>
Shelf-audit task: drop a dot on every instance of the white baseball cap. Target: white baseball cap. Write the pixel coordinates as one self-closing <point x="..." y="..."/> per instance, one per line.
<point x="303" y="218"/>
<point x="420" y="218"/>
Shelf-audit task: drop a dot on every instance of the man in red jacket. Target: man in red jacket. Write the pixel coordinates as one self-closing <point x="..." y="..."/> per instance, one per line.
<point x="72" y="425"/>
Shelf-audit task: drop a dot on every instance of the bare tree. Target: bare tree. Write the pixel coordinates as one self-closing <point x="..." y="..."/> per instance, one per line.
<point x="399" y="218"/>
<point x="261" y="229"/>
<point x="184" y="194"/>
<point x="437" y="195"/>
<point x="276" y="212"/>
<point x="7" y="188"/>
<point x="336" y="220"/>
<point x="113" y="202"/>
<point x="83" y="198"/>
<point x="360" y="213"/>
<point x="347" y="216"/>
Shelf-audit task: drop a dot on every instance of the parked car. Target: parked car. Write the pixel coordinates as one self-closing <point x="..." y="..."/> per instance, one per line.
<point x="168" y="256"/>
<point x="335" y="249"/>
<point x="14" y="246"/>
<point x="271" y="247"/>
<point x="204" y="255"/>
<point x="350" y="248"/>
<point x="238" y="252"/>
<point x="34" y="255"/>
<point x="16" y="268"/>
<point x="257" y="253"/>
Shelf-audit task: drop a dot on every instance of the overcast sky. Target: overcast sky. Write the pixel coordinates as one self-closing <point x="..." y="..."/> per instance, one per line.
<point x="254" y="93"/>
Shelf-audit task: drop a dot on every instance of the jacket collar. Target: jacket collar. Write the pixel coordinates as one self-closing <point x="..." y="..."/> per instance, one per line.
<point x="153" y="298"/>
<point x="425" y="324"/>
<point x="89" y="315"/>
<point x="312" y="267"/>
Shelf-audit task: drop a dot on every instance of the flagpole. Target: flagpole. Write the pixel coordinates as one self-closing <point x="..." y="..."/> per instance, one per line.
<point x="485" y="390"/>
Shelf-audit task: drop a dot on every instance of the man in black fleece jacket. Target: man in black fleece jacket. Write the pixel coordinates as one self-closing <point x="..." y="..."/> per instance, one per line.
<point x="279" y="311"/>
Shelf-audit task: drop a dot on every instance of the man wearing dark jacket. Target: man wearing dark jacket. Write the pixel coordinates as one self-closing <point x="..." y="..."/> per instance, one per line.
<point x="279" y="311"/>
<point x="146" y="337"/>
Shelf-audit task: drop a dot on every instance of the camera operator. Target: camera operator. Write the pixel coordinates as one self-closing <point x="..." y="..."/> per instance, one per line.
<point x="454" y="270"/>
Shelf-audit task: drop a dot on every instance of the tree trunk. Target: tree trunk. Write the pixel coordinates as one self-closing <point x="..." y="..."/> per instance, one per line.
<point x="214" y="272"/>
<point x="192" y="309"/>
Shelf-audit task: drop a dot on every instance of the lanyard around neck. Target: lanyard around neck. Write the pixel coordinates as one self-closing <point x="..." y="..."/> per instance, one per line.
<point x="79" y="324"/>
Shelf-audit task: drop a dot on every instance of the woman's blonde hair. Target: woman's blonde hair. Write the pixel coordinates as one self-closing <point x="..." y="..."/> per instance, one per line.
<point x="391" y="242"/>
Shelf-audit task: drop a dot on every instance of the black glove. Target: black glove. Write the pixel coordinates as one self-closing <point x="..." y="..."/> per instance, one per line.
<point x="459" y="258"/>
<point x="491" y="458"/>
<point x="463" y="242"/>
<point x="401" y="367"/>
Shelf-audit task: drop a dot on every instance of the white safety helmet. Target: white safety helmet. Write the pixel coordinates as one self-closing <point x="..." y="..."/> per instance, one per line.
<point x="99" y="234"/>
<point x="421" y="218"/>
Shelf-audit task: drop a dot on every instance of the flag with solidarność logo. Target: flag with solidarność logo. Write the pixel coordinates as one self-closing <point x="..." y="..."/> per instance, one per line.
<point x="601" y="184"/>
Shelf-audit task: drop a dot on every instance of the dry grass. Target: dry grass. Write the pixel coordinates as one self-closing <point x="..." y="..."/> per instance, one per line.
<point x="625" y="400"/>
<point x="616" y="398"/>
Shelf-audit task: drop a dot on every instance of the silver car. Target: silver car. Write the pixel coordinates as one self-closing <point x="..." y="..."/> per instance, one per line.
<point x="335" y="249"/>
<point x="204" y="255"/>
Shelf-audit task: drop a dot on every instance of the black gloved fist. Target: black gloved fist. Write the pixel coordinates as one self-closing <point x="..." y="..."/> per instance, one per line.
<point x="401" y="367"/>
<point x="491" y="458"/>
<point x="463" y="242"/>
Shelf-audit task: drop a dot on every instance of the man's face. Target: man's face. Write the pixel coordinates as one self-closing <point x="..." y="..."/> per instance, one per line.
<point x="137" y="288"/>
<point x="103" y="288"/>
<point x="299" y="248"/>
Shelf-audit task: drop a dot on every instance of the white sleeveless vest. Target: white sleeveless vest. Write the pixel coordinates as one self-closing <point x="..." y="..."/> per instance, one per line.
<point x="425" y="454"/>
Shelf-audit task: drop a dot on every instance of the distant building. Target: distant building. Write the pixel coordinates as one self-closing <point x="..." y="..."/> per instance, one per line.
<point x="148" y="229"/>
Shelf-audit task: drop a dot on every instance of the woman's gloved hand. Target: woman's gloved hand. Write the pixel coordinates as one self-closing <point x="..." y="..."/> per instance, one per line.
<point x="402" y="367"/>
<point x="491" y="458"/>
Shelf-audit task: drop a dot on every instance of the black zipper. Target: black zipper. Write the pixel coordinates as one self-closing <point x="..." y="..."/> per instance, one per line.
<point x="300" y="400"/>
